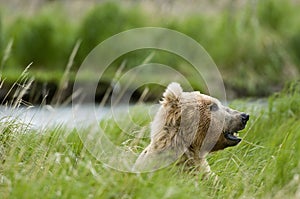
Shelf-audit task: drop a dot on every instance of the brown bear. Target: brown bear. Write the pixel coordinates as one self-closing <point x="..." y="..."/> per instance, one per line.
<point x="187" y="127"/>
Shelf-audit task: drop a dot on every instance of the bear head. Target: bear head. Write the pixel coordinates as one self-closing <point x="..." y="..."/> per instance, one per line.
<point x="194" y="121"/>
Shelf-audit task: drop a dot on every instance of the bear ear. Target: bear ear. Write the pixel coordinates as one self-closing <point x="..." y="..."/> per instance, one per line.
<point x="172" y="93"/>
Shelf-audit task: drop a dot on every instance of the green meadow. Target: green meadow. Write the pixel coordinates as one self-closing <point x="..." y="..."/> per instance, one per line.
<point x="53" y="163"/>
<point x="256" y="48"/>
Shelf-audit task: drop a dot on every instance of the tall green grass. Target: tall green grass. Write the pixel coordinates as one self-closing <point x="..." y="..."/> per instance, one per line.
<point x="53" y="163"/>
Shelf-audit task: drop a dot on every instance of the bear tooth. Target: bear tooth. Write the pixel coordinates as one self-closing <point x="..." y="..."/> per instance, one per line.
<point x="236" y="134"/>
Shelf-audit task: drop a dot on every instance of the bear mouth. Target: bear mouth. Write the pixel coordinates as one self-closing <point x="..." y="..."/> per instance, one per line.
<point x="232" y="136"/>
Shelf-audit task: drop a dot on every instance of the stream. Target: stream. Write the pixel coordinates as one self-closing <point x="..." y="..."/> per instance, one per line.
<point x="86" y="114"/>
<point x="48" y="116"/>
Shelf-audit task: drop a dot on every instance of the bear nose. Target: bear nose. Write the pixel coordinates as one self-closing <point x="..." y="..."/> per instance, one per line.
<point x="245" y="118"/>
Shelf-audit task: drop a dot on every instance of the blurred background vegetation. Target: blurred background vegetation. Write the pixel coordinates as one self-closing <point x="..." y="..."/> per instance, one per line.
<point x="255" y="44"/>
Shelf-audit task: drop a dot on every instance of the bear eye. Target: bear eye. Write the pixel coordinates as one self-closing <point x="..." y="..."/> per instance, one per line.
<point x="214" y="107"/>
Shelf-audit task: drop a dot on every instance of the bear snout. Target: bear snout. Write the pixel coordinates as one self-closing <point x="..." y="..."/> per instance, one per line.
<point x="244" y="118"/>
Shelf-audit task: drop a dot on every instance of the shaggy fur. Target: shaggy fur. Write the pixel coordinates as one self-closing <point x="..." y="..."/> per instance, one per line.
<point x="187" y="126"/>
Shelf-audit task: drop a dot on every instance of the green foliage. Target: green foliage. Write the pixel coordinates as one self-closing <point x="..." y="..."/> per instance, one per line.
<point x="286" y="103"/>
<point x="259" y="42"/>
<point x="1" y="39"/>
<point x="53" y="162"/>
<point x="294" y="45"/>
<point x="248" y="50"/>
<point x="44" y="40"/>
<point x="273" y="13"/>
<point x="105" y="21"/>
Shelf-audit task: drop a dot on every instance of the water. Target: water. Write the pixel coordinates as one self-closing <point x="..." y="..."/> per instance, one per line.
<point x="41" y="117"/>
<point x="87" y="114"/>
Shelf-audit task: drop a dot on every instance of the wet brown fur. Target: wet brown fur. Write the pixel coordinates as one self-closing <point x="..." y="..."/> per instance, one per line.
<point x="185" y="128"/>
